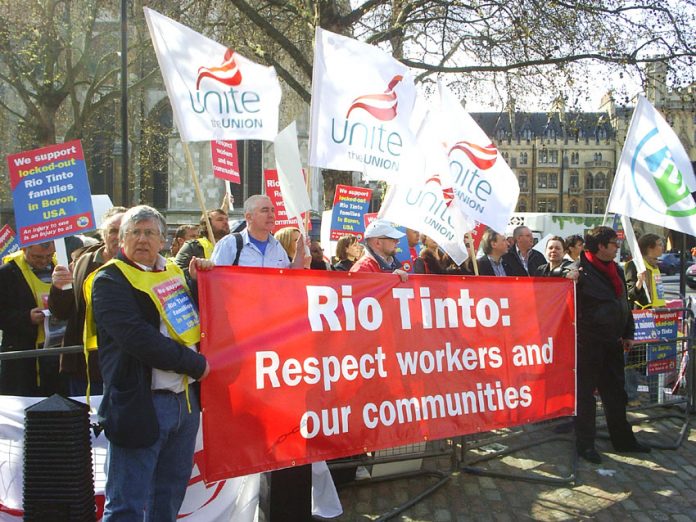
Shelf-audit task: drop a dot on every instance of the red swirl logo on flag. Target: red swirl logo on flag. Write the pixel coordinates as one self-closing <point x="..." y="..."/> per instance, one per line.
<point x="483" y="157"/>
<point x="447" y="192"/>
<point x="382" y="106"/>
<point x="228" y="73"/>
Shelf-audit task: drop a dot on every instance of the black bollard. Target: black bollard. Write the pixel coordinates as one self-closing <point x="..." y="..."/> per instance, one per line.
<point x="58" y="481"/>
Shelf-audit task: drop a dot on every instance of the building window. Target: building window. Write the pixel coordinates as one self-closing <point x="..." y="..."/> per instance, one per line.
<point x="589" y="185"/>
<point x="523" y="181"/>
<point x="588" y="205"/>
<point x="553" y="156"/>
<point x="599" y="206"/>
<point x="598" y="156"/>
<point x="574" y="158"/>
<point x="505" y="156"/>
<point x="523" y="158"/>
<point x="522" y="205"/>
<point x="574" y="180"/>
<point x="573" y="206"/>
<point x="600" y="181"/>
<point x="543" y="156"/>
<point x="542" y="180"/>
<point x="546" y="205"/>
<point x="553" y="180"/>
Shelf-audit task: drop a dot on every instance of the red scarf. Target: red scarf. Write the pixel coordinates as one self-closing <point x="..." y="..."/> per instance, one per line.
<point x="609" y="269"/>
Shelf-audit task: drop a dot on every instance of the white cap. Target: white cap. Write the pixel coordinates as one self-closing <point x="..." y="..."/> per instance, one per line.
<point x="382" y="228"/>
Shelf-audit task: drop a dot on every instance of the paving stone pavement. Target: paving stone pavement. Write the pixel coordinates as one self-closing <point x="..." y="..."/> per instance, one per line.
<point x="646" y="487"/>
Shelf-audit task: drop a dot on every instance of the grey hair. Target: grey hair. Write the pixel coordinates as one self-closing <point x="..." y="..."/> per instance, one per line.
<point x="113" y="211"/>
<point x="252" y="202"/>
<point x="138" y="214"/>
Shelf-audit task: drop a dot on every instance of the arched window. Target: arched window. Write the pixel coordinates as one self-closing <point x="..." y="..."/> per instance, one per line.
<point x="588" y="205"/>
<point x="589" y="185"/>
<point x="522" y="205"/>
<point x="600" y="181"/>
<point x="599" y="156"/>
<point x="573" y="206"/>
<point x="523" y="158"/>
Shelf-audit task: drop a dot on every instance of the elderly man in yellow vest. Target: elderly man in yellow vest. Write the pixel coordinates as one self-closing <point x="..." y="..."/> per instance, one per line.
<point x="25" y="280"/>
<point x="148" y="331"/>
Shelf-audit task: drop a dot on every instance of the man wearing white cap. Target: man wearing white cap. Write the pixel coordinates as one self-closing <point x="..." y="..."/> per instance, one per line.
<point x="381" y="239"/>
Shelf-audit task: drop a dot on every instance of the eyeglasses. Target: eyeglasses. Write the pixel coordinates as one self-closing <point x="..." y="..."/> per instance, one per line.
<point x="613" y="242"/>
<point x="148" y="233"/>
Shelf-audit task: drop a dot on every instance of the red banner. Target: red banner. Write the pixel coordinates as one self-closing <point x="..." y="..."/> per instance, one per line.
<point x="225" y="160"/>
<point x="332" y="364"/>
<point x="276" y="197"/>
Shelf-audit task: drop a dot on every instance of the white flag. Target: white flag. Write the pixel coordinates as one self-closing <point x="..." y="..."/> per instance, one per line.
<point x="290" y="178"/>
<point x="485" y="188"/>
<point x="362" y="100"/>
<point x="426" y="210"/>
<point x="216" y="94"/>
<point x="654" y="179"/>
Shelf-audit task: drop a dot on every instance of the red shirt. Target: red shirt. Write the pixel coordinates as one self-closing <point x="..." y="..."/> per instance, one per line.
<point x="365" y="264"/>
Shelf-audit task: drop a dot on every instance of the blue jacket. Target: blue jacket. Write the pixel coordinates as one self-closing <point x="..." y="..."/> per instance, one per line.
<point x="130" y="345"/>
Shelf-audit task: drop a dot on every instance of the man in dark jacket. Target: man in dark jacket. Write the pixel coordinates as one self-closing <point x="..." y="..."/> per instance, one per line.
<point x="522" y="259"/>
<point x="25" y="280"/>
<point x="147" y="331"/>
<point x="605" y="329"/>
<point x="68" y="304"/>
<point x="202" y="248"/>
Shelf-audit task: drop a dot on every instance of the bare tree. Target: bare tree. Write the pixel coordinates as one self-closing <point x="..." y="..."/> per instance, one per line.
<point x="525" y="46"/>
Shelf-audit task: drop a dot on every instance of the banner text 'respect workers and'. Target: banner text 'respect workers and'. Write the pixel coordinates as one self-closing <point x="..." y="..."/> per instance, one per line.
<point x="369" y="363"/>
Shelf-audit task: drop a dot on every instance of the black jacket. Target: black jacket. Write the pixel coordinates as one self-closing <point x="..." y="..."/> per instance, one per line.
<point x="535" y="260"/>
<point x="130" y="346"/>
<point x="427" y="263"/>
<point x="545" y="270"/>
<point x="18" y="377"/>
<point x="600" y="314"/>
<point x="486" y="268"/>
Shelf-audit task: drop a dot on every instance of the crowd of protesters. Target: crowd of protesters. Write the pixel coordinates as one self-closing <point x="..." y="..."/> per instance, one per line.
<point x="147" y="370"/>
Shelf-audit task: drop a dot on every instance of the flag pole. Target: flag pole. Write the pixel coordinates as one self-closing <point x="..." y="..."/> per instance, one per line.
<point x="197" y="189"/>
<point x="472" y="254"/>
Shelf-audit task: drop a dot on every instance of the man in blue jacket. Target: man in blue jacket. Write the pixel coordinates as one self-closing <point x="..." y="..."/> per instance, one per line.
<point x="147" y="331"/>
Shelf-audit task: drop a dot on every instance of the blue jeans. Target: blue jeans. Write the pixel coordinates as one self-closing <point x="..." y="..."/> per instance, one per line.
<point x="149" y="484"/>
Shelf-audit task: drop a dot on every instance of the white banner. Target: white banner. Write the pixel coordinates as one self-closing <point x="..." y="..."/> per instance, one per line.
<point x="216" y="94"/>
<point x="233" y="499"/>
<point x="290" y="178"/>
<point x="362" y="101"/>
<point x="426" y="210"/>
<point x="654" y="179"/>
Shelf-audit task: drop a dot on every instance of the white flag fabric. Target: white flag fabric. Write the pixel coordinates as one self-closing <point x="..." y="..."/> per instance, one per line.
<point x="425" y="209"/>
<point x="290" y="178"/>
<point x="362" y="101"/>
<point x="216" y="94"/>
<point x="485" y="188"/>
<point x="654" y="179"/>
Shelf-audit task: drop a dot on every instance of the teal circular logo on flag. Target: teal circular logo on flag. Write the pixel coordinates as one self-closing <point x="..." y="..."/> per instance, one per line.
<point x="652" y="166"/>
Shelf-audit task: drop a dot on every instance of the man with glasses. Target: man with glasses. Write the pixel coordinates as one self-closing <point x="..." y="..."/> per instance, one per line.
<point x="290" y="488"/>
<point x="605" y="329"/>
<point x="148" y="331"/>
<point x="25" y="280"/>
<point x="381" y="240"/>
